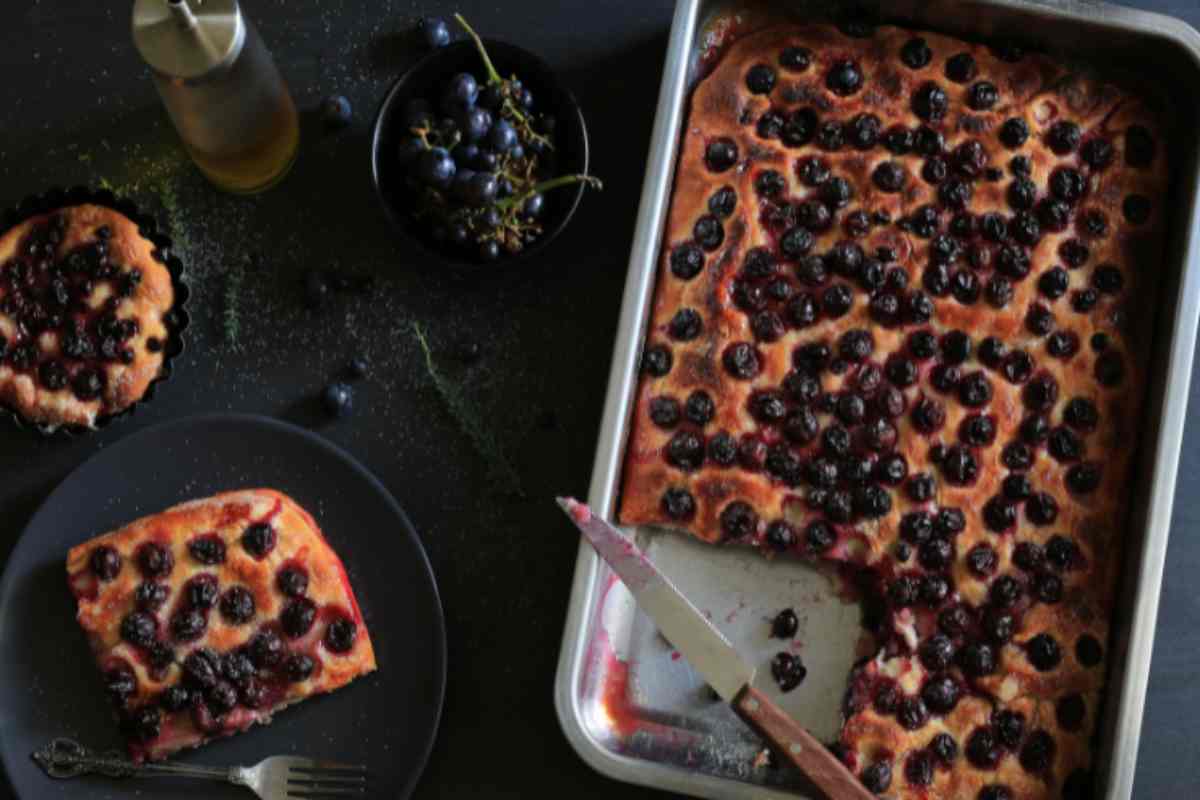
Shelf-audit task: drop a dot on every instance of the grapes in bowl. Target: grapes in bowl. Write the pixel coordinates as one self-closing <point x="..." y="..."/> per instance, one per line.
<point x="479" y="154"/>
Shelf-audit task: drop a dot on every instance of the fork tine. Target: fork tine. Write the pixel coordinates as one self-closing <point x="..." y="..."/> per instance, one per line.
<point x="337" y="780"/>
<point x="315" y="765"/>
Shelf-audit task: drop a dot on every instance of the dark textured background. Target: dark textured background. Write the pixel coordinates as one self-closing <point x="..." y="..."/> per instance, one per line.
<point x="77" y="106"/>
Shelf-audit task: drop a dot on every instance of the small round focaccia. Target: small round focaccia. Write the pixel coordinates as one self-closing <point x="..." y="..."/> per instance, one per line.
<point x="83" y="306"/>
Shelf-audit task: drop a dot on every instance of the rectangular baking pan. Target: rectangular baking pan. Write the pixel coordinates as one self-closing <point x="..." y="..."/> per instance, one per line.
<point x="627" y="703"/>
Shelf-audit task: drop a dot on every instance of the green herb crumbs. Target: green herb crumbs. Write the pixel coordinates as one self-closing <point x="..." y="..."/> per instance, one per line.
<point x="230" y="321"/>
<point x="151" y="179"/>
<point x="499" y="468"/>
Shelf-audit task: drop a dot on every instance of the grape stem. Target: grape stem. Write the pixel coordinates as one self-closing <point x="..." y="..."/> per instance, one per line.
<point x="493" y="76"/>
<point x="505" y="86"/>
<point x="545" y="186"/>
<point x="423" y="134"/>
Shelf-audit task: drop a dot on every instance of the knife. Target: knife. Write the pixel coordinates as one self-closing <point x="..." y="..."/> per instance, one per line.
<point x="710" y="654"/>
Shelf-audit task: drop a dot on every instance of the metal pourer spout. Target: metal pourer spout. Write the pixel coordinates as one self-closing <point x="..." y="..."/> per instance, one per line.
<point x="183" y="13"/>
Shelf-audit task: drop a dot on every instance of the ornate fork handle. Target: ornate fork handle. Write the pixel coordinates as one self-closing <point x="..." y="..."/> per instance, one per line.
<point x="66" y="758"/>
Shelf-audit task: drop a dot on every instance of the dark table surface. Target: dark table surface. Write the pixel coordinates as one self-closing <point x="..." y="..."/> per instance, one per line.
<point x="77" y="106"/>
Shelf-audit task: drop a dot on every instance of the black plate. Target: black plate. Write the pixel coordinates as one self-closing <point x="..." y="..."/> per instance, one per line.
<point x="50" y="687"/>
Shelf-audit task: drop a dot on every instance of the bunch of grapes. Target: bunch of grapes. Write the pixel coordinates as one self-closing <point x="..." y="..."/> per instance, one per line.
<point x="481" y="160"/>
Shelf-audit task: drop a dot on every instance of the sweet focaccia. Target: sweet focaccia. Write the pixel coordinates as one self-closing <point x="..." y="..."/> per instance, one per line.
<point x="83" y="300"/>
<point x="213" y="615"/>
<point x="901" y="322"/>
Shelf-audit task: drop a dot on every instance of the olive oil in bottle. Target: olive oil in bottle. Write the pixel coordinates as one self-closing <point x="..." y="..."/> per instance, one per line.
<point x="222" y="90"/>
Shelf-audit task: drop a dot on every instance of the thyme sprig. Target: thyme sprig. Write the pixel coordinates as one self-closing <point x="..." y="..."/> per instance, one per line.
<point x="500" y="470"/>
<point x="231" y="322"/>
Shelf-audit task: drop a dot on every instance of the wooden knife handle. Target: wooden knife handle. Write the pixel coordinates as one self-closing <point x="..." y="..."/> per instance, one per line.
<point x="797" y="745"/>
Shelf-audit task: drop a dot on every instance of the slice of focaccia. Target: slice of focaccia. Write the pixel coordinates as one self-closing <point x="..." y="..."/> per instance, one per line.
<point x="213" y="615"/>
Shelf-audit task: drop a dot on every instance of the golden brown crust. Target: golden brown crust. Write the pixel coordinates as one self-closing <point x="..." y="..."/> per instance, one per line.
<point x="124" y="382"/>
<point x="1068" y="600"/>
<point x="104" y="604"/>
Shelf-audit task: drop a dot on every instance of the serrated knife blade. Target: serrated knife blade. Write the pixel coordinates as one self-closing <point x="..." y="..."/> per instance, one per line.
<point x="680" y="622"/>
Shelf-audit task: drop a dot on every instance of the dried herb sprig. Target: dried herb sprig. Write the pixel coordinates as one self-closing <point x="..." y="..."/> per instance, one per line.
<point x="500" y="470"/>
<point x="231" y="321"/>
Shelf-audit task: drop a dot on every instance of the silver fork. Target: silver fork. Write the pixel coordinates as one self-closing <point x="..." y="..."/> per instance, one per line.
<point x="274" y="778"/>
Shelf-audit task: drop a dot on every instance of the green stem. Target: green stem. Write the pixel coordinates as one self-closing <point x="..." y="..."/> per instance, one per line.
<point x="420" y="334"/>
<point x="493" y="76"/>
<point x="230" y="316"/>
<point x="483" y="438"/>
<point x="495" y="79"/>
<point x="547" y="185"/>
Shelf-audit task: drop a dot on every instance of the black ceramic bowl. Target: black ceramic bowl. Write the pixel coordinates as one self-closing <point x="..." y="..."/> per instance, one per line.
<point x="425" y="80"/>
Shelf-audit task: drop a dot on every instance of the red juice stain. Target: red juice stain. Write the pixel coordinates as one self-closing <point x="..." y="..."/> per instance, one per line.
<point x="84" y="585"/>
<point x="720" y="34"/>
<point x="234" y="512"/>
<point x="579" y="512"/>
<point x="615" y="698"/>
<point x="270" y="515"/>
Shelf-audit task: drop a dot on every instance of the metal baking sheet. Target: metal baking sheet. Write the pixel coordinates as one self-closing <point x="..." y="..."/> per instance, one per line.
<point x="628" y="703"/>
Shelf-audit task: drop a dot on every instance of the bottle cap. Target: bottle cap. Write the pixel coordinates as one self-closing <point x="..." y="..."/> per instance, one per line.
<point x="187" y="39"/>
